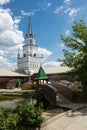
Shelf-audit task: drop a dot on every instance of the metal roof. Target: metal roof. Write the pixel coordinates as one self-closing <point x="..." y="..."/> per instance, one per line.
<point x="9" y="73"/>
<point x="54" y="69"/>
<point x="41" y="74"/>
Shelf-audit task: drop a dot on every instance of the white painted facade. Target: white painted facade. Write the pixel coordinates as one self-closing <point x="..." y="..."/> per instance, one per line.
<point x="31" y="59"/>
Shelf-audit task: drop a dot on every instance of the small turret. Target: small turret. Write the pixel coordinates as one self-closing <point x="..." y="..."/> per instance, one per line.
<point x="18" y="54"/>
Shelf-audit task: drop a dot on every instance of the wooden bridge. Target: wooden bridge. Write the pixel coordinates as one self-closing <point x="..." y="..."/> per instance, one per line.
<point x="53" y="95"/>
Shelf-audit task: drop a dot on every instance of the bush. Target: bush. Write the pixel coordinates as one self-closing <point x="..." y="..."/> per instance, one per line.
<point x="23" y="117"/>
<point x="7" y="119"/>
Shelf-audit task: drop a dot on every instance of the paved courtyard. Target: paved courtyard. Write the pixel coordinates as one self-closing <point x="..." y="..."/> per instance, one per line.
<point x="70" y="120"/>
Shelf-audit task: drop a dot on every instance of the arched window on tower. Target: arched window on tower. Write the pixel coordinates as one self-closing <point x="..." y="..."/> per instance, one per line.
<point x="24" y="55"/>
<point x="30" y="41"/>
<point x="30" y="54"/>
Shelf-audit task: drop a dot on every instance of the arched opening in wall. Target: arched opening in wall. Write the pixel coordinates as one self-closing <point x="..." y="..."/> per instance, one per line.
<point x="34" y="54"/>
<point x="24" y="55"/>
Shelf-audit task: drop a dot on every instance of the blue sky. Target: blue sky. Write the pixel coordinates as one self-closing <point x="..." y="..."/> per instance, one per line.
<point x="50" y="19"/>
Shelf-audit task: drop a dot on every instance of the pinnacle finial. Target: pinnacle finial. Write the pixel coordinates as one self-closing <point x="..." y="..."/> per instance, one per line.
<point x="18" y="54"/>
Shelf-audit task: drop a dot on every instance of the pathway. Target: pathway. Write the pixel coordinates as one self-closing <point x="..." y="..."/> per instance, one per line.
<point x="70" y="120"/>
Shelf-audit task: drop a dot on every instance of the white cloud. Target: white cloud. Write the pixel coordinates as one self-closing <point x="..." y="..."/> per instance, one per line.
<point x="5" y="63"/>
<point x="73" y="12"/>
<point x="9" y="35"/>
<point x="27" y="13"/>
<point x="58" y="9"/>
<point x="67" y="32"/>
<point x="10" y="52"/>
<point x="44" y="52"/>
<point x="68" y="10"/>
<point x="6" y="21"/>
<point x="48" y="4"/>
<point x="52" y="63"/>
<point x="67" y="1"/>
<point x="10" y="38"/>
<point x="61" y="45"/>
<point x="45" y="5"/>
<point x="17" y="20"/>
<point x="2" y="2"/>
<point x="1" y="52"/>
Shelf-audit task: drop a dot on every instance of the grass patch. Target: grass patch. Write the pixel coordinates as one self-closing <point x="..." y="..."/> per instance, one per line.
<point x="10" y="95"/>
<point x="2" y="98"/>
<point x="17" y="91"/>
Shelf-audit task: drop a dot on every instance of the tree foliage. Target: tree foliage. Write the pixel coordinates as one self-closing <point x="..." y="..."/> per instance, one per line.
<point x="76" y="53"/>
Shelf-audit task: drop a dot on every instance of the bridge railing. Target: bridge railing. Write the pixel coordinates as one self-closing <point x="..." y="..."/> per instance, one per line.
<point x="64" y="90"/>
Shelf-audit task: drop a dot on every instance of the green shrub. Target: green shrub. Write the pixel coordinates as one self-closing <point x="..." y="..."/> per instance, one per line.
<point x="23" y="117"/>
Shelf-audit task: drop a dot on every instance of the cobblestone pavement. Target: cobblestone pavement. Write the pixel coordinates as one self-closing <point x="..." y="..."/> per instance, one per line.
<point x="70" y="120"/>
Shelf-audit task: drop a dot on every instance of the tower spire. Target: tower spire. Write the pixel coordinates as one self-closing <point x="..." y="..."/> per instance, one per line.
<point x="29" y="31"/>
<point x="30" y="26"/>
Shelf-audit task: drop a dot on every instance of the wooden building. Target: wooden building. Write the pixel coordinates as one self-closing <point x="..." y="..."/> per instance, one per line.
<point x="6" y="77"/>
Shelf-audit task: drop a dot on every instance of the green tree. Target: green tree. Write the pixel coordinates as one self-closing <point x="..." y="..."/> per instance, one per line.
<point x="76" y="53"/>
<point x="18" y="82"/>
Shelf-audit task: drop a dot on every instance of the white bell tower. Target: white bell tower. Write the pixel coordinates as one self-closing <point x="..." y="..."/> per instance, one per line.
<point x="30" y="59"/>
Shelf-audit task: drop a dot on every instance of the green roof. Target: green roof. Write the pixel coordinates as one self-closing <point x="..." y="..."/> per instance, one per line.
<point x="41" y="74"/>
